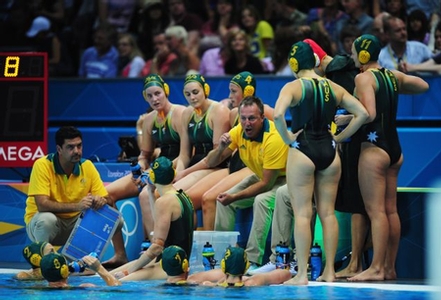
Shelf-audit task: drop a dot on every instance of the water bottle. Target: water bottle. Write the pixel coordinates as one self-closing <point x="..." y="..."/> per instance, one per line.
<point x="144" y="246"/>
<point x="78" y="266"/>
<point x="283" y="256"/>
<point x="208" y="257"/>
<point x="135" y="168"/>
<point x="341" y="111"/>
<point x="316" y="262"/>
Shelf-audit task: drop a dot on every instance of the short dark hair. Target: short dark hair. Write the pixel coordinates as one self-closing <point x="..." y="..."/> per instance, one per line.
<point x="250" y="100"/>
<point x="66" y="133"/>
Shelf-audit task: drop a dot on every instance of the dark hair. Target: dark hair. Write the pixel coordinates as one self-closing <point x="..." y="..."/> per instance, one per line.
<point x="231" y="22"/>
<point x="254" y="12"/>
<point x="284" y="37"/>
<point x="66" y="133"/>
<point x="419" y="35"/>
<point x="250" y="100"/>
<point x="349" y="31"/>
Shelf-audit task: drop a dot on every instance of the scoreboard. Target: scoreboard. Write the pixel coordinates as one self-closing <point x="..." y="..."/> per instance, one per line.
<point x="23" y="108"/>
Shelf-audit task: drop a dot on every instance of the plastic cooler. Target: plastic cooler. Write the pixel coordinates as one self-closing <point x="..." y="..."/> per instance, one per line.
<point x="220" y="240"/>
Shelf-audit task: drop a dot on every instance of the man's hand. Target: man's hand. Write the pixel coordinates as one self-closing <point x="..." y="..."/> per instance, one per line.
<point x="225" y="199"/>
<point x="86" y="202"/>
<point x="98" y="202"/>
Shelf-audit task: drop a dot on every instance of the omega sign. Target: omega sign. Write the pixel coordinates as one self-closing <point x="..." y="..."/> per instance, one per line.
<point x="20" y="154"/>
<point x="23" y="108"/>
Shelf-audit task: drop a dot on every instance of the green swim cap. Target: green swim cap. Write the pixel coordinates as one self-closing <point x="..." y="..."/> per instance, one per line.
<point x="368" y="48"/>
<point x="174" y="261"/>
<point x="235" y="261"/>
<point x="301" y="57"/>
<point x="156" y="80"/>
<point x="33" y="253"/>
<point x="246" y="81"/>
<point x="199" y="79"/>
<point x="162" y="171"/>
<point x="54" y="267"/>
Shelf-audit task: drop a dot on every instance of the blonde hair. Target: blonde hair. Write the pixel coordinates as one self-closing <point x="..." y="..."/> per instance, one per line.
<point x="232" y="34"/>
<point x="132" y="41"/>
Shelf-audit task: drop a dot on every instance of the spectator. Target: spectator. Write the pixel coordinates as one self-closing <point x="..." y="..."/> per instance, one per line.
<point x="418" y="27"/>
<point x="239" y="56"/>
<point x="432" y="65"/>
<point x="151" y="20"/>
<point x="16" y="18"/>
<point x="397" y="8"/>
<point x="130" y="60"/>
<point x="163" y="59"/>
<point x="45" y="40"/>
<point x="324" y="19"/>
<point x="177" y="39"/>
<point x="399" y="49"/>
<point x="213" y="62"/>
<point x="430" y="7"/>
<point x="54" y="10"/>
<point x="260" y="33"/>
<point x="378" y="28"/>
<point x="191" y="22"/>
<point x="215" y="30"/>
<point x="286" y="13"/>
<point x="348" y="34"/>
<point x="284" y="37"/>
<point x="355" y="15"/>
<point x="100" y="60"/>
<point x="118" y="13"/>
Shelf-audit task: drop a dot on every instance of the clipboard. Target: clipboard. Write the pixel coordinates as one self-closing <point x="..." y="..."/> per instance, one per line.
<point x="92" y="232"/>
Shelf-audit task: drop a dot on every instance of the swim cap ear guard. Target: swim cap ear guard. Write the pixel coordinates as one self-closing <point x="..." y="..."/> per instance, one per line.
<point x="301" y="57"/>
<point x="174" y="261"/>
<point x="162" y="171"/>
<point x="246" y="81"/>
<point x="368" y="48"/>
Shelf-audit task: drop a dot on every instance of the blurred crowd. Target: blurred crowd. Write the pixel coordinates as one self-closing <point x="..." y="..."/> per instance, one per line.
<point x="132" y="38"/>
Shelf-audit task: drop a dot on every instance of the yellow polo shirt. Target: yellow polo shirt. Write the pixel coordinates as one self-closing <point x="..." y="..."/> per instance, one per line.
<point x="267" y="151"/>
<point x="49" y="179"/>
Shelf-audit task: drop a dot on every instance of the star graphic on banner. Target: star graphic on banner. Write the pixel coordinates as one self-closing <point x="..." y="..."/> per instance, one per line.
<point x="372" y="136"/>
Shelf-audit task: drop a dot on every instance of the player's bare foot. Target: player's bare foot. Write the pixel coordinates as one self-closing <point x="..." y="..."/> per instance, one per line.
<point x="297" y="280"/>
<point x="326" y="278"/>
<point x="368" y="275"/>
<point x="390" y="274"/>
<point x="348" y="272"/>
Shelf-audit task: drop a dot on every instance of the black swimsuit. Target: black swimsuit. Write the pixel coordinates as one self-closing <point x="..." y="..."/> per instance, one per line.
<point x="314" y="114"/>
